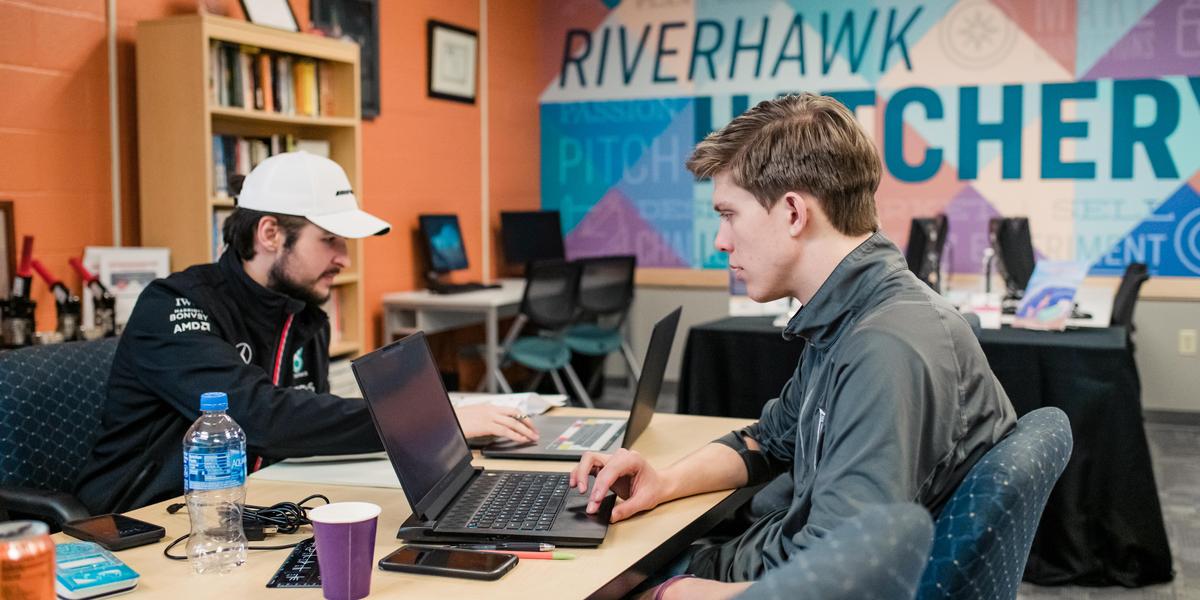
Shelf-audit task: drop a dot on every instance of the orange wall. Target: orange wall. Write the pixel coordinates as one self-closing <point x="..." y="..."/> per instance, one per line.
<point x="422" y="155"/>
<point x="419" y="155"/>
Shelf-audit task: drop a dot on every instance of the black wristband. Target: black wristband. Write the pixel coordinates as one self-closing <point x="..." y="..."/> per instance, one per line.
<point x="758" y="468"/>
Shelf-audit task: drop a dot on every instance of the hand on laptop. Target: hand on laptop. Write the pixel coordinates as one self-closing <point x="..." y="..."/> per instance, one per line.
<point x="627" y="473"/>
<point x="488" y="419"/>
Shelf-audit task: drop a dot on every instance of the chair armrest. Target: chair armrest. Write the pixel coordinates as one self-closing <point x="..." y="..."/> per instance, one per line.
<point x="56" y="507"/>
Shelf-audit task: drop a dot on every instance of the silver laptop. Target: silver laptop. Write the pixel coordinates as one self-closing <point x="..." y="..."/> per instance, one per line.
<point x="567" y="438"/>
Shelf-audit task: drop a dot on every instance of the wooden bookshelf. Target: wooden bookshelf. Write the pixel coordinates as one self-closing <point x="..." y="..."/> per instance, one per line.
<point x="178" y="117"/>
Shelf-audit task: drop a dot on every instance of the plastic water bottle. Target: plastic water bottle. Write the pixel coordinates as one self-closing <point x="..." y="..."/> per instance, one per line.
<point x="214" y="483"/>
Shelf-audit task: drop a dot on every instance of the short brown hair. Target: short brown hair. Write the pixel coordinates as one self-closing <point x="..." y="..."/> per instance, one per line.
<point x="800" y="143"/>
<point x="242" y="225"/>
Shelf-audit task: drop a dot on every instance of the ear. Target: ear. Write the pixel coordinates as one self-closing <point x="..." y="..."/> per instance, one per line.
<point x="268" y="236"/>
<point x="796" y="210"/>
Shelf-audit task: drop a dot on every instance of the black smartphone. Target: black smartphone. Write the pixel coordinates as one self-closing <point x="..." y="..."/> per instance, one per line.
<point x="114" y="532"/>
<point x="449" y="562"/>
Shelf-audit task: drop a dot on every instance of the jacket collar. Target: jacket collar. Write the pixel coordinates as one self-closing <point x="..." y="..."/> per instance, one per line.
<point x="843" y="294"/>
<point x="250" y="292"/>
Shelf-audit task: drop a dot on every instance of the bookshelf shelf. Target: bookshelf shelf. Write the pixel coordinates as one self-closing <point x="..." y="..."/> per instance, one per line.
<point x="341" y="349"/>
<point x="181" y="124"/>
<point x="272" y="118"/>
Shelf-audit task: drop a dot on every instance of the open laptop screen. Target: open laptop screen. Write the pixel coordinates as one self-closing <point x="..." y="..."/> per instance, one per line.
<point x="650" y="384"/>
<point x="413" y="414"/>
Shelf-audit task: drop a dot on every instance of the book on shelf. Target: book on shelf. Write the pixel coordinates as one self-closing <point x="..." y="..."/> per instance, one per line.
<point x="247" y="78"/>
<point x="238" y="155"/>
<point x="305" y="73"/>
<point x="242" y="76"/>
<point x="220" y="167"/>
<point x="218" y="225"/>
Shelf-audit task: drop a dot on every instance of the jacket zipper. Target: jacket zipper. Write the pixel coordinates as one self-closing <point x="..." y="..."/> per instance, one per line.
<point x="287" y="326"/>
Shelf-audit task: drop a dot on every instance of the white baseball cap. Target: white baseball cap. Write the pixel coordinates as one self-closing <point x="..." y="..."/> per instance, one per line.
<point x="309" y="186"/>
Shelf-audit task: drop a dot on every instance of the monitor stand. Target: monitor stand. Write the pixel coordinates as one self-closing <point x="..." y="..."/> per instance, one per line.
<point x="437" y="286"/>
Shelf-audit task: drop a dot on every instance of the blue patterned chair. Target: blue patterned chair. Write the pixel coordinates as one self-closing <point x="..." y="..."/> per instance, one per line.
<point x="51" y="398"/>
<point x="983" y="534"/>
<point x="875" y="555"/>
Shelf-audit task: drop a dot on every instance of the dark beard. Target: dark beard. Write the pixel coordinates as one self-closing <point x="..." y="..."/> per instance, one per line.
<point x="278" y="280"/>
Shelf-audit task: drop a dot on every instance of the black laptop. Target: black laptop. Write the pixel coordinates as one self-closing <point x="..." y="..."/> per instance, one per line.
<point x="451" y="500"/>
<point x="567" y="438"/>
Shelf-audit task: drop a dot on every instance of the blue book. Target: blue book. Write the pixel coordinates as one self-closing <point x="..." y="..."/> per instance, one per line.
<point x="85" y="570"/>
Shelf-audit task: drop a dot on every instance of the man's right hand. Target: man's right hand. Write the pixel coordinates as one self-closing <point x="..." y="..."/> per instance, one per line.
<point x="628" y="474"/>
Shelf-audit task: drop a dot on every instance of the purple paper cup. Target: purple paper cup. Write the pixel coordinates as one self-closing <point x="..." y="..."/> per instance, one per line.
<point x="345" y="533"/>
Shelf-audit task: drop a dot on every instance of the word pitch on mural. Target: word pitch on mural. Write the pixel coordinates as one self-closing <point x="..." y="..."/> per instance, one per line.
<point x="1080" y="115"/>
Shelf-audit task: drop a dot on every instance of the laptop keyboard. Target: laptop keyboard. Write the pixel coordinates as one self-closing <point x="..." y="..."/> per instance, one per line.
<point x="585" y="435"/>
<point x="513" y="501"/>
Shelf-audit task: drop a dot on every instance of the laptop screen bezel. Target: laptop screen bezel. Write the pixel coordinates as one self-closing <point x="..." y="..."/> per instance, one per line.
<point x="428" y="506"/>
<point x="643" y="400"/>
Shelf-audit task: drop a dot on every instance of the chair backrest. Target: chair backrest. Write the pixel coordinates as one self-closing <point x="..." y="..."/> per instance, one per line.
<point x="606" y="285"/>
<point x="878" y="553"/>
<point x="983" y="534"/>
<point x="551" y="290"/>
<point x="1127" y="294"/>
<point x="51" y="398"/>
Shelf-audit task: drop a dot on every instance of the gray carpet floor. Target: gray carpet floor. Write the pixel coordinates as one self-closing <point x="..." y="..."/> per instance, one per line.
<point x="1175" y="449"/>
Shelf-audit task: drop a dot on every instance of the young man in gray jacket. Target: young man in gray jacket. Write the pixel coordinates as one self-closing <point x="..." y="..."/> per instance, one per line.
<point x="893" y="399"/>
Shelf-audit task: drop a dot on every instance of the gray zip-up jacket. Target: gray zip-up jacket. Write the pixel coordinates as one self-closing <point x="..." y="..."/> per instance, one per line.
<point x="893" y="400"/>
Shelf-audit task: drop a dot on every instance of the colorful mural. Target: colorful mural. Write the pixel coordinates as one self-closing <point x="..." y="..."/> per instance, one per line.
<point x="1083" y="115"/>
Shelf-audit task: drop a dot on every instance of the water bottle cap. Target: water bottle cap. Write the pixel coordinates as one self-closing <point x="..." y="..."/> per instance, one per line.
<point x="214" y="401"/>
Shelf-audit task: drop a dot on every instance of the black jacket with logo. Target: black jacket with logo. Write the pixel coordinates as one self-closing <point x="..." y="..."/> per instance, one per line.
<point x="211" y="328"/>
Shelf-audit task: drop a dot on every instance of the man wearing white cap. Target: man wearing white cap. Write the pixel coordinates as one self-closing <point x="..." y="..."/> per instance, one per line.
<point x="249" y="325"/>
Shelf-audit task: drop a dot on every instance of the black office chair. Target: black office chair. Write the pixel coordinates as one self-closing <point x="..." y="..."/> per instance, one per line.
<point x="51" y="398"/>
<point x="606" y="289"/>
<point x="549" y="304"/>
<point x="1127" y="294"/>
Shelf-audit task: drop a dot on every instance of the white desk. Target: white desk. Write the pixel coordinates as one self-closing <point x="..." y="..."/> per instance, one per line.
<point x="419" y="310"/>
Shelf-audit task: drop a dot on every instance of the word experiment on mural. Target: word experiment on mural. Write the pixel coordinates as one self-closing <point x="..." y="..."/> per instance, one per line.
<point x="1081" y="115"/>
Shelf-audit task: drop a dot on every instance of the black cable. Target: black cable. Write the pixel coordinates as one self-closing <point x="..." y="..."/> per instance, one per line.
<point x="286" y="517"/>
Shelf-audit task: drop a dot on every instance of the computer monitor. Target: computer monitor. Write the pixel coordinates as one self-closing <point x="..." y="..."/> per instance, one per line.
<point x="1013" y="246"/>
<point x="926" y="243"/>
<point x="531" y="235"/>
<point x="443" y="243"/>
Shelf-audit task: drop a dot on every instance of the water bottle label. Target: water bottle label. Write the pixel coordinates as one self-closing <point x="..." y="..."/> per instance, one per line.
<point x="214" y="469"/>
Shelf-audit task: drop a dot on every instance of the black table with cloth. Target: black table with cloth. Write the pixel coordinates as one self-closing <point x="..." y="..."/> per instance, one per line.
<point x="1103" y="523"/>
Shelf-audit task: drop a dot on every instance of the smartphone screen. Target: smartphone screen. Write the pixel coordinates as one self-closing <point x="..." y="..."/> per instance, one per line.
<point x="114" y="532"/>
<point x="448" y="561"/>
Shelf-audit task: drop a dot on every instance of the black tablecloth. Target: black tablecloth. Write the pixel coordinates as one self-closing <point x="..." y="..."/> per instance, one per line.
<point x="1103" y="523"/>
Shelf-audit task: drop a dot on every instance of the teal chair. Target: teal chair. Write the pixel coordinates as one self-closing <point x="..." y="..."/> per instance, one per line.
<point x="605" y="296"/>
<point x="548" y="304"/>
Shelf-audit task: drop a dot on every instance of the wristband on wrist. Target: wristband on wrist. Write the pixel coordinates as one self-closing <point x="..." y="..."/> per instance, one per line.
<point x="662" y="587"/>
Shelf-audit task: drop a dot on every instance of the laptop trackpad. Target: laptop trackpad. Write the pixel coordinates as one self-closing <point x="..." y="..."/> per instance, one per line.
<point x="574" y="518"/>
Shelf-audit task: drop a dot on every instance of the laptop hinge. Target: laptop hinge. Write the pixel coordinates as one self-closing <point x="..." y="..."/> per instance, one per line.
<point x="444" y="492"/>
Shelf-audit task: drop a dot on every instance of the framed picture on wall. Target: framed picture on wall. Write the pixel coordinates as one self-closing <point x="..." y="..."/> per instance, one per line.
<point x="8" y="248"/>
<point x="358" y="21"/>
<point x="452" y="57"/>
<point x="272" y="13"/>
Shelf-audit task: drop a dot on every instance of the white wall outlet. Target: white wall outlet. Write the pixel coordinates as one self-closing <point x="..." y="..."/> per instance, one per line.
<point x="1187" y="342"/>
